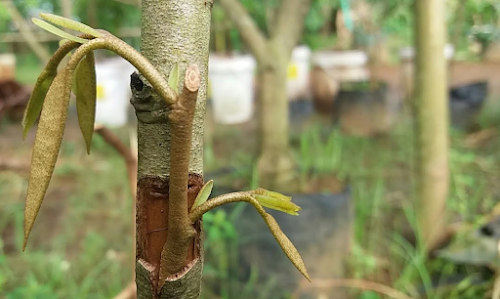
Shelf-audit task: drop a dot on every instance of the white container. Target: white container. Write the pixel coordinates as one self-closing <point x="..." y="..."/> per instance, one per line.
<point x="343" y="66"/>
<point x="408" y="53"/>
<point x="334" y="59"/>
<point x="113" y="91"/>
<point x="232" y="82"/>
<point x="298" y="73"/>
<point x="7" y="67"/>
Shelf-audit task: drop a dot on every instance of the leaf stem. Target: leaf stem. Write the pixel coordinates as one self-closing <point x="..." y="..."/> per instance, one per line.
<point x="114" y="44"/>
<point x="245" y="196"/>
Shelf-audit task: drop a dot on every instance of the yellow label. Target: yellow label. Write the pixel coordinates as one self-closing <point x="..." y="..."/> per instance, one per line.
<point x="100" y="92"/>
<point x="293" y="71"/>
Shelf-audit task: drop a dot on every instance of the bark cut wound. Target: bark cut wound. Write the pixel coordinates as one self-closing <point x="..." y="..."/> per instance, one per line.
<point x="152" y="231"/>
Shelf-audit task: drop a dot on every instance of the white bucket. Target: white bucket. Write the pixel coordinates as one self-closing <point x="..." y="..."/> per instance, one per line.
<point x="298" y="73"/>
<point x="232" y="82"/>
<point x="334" y="59"/>
<point x="408" y="53"/>
<point x="113" y="91"/>
<point x="343" y="66"/>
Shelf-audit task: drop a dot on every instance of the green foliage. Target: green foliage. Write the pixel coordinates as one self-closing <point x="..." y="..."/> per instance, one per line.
<point x="79" y="245"/>
<point x="203" y="194"/>
<point x="54" y="30"/>
<point x="70" y="24"/>
<point x="369" y="295"/>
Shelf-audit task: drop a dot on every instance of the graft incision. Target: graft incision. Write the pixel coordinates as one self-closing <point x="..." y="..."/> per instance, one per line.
<point x="152" y="209"/>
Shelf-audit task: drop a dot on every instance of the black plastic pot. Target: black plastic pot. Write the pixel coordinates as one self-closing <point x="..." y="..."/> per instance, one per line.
<point x="321" y="233"/>
<point x="299" y="112"/>
<point x="466" y="102"/>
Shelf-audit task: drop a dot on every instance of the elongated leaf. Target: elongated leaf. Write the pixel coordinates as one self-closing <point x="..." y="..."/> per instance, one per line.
<point x="285" y="244"/>
<point x="70" y="24"/>
<point x="37" y="97"/>
<point x="42" y="85"/>
<point x="203" y="194"/>
<point x="86" y="92"/>
<point x="47" y="144"/>
<point x="276" y="201"/>
<point x="53" y="29"/>
<point x="173" y="78"/>
<point x="278" y="195"/>
<point x="278" y="204"/>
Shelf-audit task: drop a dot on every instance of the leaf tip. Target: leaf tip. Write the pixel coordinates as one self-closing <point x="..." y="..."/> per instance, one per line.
<point x="27" y="230"/>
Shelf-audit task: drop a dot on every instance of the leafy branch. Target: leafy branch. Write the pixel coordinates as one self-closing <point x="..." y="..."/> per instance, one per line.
<point x="49" y="102"/>
<point x="259" y="198"/>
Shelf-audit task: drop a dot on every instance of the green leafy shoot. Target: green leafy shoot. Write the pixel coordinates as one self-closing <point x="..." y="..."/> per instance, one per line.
<point x="70" y="24"/>
<point x="173" y="78"/>
<point x="276" y="201"/>
<point x="53" y="29"/>
<point x="203" y="194"/>
<point x="256" y="198"/>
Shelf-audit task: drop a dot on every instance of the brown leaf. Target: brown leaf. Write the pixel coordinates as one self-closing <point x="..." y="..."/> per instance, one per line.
<point x="85" y="91"/>
<point x="47" y="144"/>
<point x="285" y="244"/>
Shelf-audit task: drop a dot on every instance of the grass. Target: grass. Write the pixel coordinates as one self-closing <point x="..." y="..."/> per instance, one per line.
<point x="81" y="236"/>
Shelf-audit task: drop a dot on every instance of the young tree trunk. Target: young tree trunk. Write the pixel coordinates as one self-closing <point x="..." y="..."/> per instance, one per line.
<point x="173" y="31"/>
<point x="67" y="8"/>
<point x="276" y="165"/>
<point x="432" y="118"/>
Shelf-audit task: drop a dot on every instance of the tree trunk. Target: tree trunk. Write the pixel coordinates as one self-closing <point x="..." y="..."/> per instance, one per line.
<point x="67" y="8"/>
<point x="276" y="165"/>
<point x="432" y="118"/>
<point x="173" y="31"/>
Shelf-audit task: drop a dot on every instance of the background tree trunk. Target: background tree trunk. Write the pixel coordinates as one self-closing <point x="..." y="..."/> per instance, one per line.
<point x="173" y="31"/>
<point x="432" y="118"/>
<point x="276" y="165"/>
<point x="67" y="8"/>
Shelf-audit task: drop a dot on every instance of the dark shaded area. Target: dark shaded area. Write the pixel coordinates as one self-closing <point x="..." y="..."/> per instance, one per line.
<point x="466" y="102"/>
<point x="322" y="234"/>
<point x="13" y="99"/>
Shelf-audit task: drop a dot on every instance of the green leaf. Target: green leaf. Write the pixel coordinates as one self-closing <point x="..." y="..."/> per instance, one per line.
<point x="86" y="93"/>
<point x="36" y="100"/>
<point x="173" y="78"/>
<point x="276" y="201"/>
<point x="203" y="194"/>
<point x="47" y="144"/>
<point x="70" y="24"/>
<point x="285" y="244"/>
<point x="53" y="29"/>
